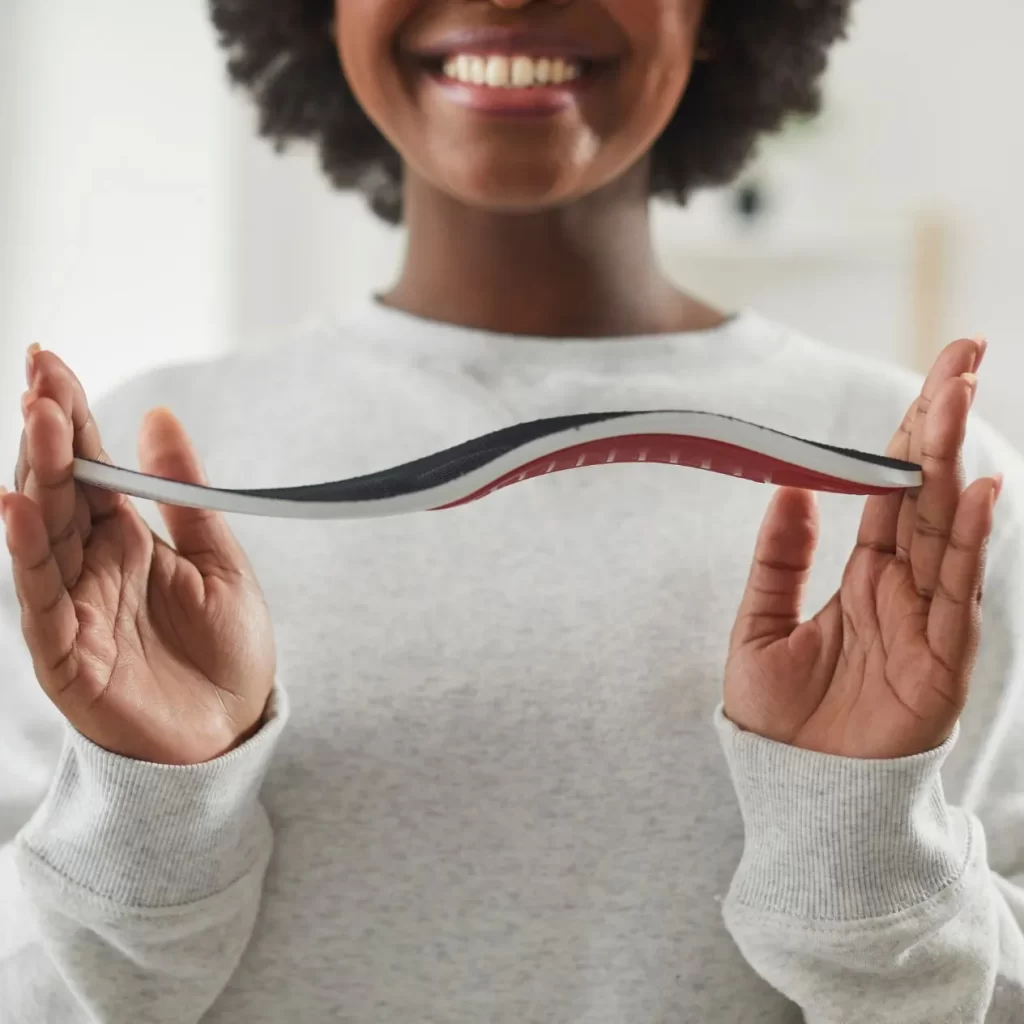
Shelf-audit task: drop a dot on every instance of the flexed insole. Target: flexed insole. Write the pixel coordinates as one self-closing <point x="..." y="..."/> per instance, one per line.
<point x="477" y="468"/>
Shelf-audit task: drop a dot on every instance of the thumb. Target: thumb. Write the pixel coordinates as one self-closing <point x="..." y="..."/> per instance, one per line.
<point x="201" y="536"/>
<point x="770" y="609"/>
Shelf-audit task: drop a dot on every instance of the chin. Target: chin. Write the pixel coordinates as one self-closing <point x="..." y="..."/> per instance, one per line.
<point x="499" y="188"/>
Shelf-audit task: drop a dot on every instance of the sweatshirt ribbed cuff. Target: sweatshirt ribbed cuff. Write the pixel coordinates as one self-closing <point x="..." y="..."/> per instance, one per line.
<point x="840" y="839"/>
<point x="148" y="835"/>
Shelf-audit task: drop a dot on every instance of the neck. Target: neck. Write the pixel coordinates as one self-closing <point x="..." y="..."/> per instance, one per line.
<point x="587" y="269"/>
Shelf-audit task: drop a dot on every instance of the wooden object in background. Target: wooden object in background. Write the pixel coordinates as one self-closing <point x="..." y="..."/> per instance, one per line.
<point x="931" y="281"/>
<point x="874" y="284"/>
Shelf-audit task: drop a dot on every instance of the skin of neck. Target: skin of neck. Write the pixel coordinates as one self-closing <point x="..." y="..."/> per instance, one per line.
<point x="584" y="269"/>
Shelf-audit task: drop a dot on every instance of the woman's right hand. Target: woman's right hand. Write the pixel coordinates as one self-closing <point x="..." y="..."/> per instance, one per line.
<point x="157" y="653"/>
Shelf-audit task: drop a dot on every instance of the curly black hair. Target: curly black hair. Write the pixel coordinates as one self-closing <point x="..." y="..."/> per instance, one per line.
<point x="767" y="59"/>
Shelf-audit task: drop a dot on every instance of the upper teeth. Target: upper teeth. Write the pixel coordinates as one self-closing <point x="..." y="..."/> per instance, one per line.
<point x="510" y="72"/>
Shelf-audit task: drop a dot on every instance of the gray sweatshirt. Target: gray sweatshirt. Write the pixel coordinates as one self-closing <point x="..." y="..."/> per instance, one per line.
<point x="495" y="784"/>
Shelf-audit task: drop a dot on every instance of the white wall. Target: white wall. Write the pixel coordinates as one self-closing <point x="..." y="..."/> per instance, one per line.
<point x="9" y="160"/>
<point x="148" y="222"/>
<point x="299" y="249"/>
<point x="926" y="97"/>
<point x="117" y="247"/>
<point x="931" y="93"/>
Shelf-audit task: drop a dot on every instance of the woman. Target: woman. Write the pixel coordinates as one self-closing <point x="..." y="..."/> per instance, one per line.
<point x="469" y="766"/>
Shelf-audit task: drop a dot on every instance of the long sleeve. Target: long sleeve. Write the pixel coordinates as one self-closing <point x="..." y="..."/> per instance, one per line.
<point x="893" y="891"/>
<point x="132" y="891"/>
<point x="864" y="897"/>
<point x="128" y="891"/>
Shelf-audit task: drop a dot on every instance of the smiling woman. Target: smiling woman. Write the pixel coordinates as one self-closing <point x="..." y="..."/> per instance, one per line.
<point x="494" y="146"/>
<point x="709" y="82"/>
<point x="568" y="753"/>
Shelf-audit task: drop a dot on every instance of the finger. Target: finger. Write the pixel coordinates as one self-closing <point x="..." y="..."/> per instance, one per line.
<point x="954" y="616"/>
<point x="954" y="361"/>
<point x="52" y="378"/>
<point x="928" y="532"/>
<point x="83" y="512"/>
<point x="929" y="393"/>
<point x="21" y="467"/>
<point x="49" y="620"/>
<point x="201" y="536"/>
<point x="880" y="520"/>
<point x="771" y="604"/>
<point x="51" y="486"/>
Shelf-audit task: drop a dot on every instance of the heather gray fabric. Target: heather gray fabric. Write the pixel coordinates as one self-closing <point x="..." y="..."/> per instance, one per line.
<point x="492" y="784"/>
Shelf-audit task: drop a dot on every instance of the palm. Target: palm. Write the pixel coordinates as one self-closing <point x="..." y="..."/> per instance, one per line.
<point x="154" y="652"/>
<point x="885" y="685"/>
<point x="163" y="654"/>
<point x="881" y="671"/>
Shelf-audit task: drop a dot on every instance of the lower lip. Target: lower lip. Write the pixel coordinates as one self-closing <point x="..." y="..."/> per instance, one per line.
<point x="536" y="101"/>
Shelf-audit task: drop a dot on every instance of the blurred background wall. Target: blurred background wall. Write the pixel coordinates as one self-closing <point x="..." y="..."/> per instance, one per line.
<point x="140" y="221"/>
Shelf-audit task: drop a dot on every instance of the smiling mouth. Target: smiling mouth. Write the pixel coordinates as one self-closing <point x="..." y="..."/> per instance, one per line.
<point x="511" y="71"/>
<point x="513" y="84"/>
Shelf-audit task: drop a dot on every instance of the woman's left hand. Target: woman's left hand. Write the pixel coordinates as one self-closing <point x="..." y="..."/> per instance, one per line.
<point x="882" y="670"/>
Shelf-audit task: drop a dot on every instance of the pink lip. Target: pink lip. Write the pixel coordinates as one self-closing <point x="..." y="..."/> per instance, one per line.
<point x="536" y="100"/>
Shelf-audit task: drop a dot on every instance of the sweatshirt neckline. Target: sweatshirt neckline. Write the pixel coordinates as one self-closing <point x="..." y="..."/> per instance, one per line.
<point x="745" y="338"/>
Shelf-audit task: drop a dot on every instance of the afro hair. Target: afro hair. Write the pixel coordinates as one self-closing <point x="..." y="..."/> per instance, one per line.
<point x="766" y="63"/>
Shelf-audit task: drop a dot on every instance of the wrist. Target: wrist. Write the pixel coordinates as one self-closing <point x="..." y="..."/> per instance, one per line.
<point x="266" y="715"/>
<point x="143" y="834"/>
<point x="830" y="837"/>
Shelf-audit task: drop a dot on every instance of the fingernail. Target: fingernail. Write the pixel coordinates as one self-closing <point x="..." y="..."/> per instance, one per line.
<point x="982" y="342"/>
<point x="30" y="363"/>
<point x="27" y="401"/>
<point x="997" y="487"/>
<point x="971" y="380"/>
<point x="3" y="505"/>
